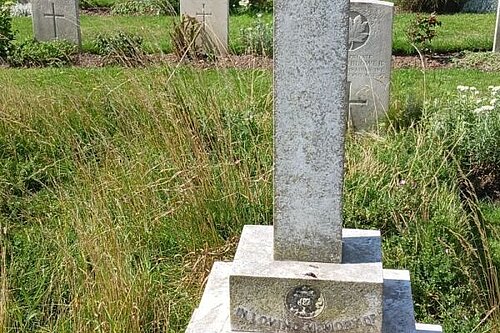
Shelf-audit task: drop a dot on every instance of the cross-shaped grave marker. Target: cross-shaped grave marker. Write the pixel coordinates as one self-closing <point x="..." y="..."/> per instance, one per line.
<point x="56" y="20"/>
<point x="54" y="17"/>
<point x="357" y="101"/>
<point x="203" y="15"/>
<point x="213" y="16"/>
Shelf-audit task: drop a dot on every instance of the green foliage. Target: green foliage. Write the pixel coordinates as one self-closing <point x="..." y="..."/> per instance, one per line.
<point x="120" y="48"/>
<point x="258" y="38"/>
<point x="31" y="53"/>
<point x="484" y="61"/>
<point x="422" y="31"/>
<point x="439" y="6"/>
<point x="114" y="178"/>
<point x="85" y="4"/>
<point x="6" y="33"/>
<point x="145" y="7"/>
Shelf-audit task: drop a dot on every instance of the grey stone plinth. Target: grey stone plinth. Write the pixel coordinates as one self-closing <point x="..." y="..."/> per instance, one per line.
<point x="214" y="17"/>
<point x="398" y="302"/>
<point x="56" y="20"/>
<point x="276" y="296"/>
<point x="212" y="315"/>
<point x="370" y="56"/>
<point x="310" y="103"/>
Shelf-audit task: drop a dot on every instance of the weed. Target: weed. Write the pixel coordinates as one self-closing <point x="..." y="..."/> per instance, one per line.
<point x="120" y="48"/>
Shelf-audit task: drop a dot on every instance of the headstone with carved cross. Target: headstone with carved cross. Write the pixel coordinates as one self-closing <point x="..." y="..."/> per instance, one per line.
<point x="213" y="16"/>
<point x="307" y="274"/>
<point x="56" y="20"/>
<point x="370" y="52"/>
<point x="496" y="42"/>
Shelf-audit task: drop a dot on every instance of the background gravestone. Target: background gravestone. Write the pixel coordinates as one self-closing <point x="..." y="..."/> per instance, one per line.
<point x="370" y="56"/>
<point x="213" y="16"/>
<point x="480" y="6"/>
<point x="56" y="20"/>
<point x="496" y="42"/>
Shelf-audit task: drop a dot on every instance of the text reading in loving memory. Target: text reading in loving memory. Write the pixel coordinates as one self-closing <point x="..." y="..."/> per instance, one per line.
<point x="305" y="326"/>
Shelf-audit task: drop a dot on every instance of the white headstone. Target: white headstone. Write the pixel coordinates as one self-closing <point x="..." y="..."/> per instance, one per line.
<point x="213" y="16"/>
<point x="370" y="56"/>
<point x="496" y="42"/>
<point x="56" y="20"/>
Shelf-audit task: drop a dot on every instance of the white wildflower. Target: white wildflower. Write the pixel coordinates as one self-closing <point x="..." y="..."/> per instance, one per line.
<point x="244" y="3"/>
<point x="484" y="109"/>
<point x="493" y="101"/>
<point x="462" y="88"/>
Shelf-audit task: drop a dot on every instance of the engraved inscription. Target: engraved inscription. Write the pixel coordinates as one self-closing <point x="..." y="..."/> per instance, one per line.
<point x="307" y="326"/>
<point x="305" y="302"/>
<point x="363" y="65"/>
<point x="359" y="30"/>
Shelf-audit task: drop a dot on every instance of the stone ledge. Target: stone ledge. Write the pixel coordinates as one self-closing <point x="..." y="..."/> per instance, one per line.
<point x="212" y="316"/>
<point x="264" y="291"/>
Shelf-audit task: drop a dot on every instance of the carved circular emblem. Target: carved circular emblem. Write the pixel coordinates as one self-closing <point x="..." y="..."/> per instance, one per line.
<point x="359" y="30"/>
<point x="305" y="302"/>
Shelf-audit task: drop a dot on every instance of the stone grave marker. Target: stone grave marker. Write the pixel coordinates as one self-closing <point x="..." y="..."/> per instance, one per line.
<point x="307" y="274"/>
<point x="480" y="6"/>
<point x="370" y="56"/>
<point x="56" y="20"/>
<point x="213" y="16"/>
<point x="496" y="42"/>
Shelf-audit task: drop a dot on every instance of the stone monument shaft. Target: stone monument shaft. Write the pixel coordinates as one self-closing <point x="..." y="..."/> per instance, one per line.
<point x="310" y="96"/>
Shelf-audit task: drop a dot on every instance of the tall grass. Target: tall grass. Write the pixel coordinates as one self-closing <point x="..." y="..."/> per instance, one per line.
<point x="119" y="188"/>
<point x="128" y="182"/>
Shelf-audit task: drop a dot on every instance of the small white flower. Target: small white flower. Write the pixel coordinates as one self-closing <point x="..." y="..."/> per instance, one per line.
<point x="479" y="101"/>
<point x="462" y="88"/>
<point x="483" y="109"/>
<point x="493" y="101"/>
<point x="244" y="3"/>
<point x="259" y="15"/>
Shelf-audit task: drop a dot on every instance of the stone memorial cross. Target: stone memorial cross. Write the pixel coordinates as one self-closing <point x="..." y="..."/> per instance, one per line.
<point x="56" y="20"/>
<point x="307" y="274"/>
<point x="213" y="16"/>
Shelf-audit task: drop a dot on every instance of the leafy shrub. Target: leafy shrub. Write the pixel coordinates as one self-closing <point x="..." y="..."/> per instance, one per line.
<point x="86" y="4"/>
<point x="6" y="34"/>
<point x="258" y="38"/>
<point x="120" y="48"/>
<point x="31" y="53"/>
<point x="422" y="30"/>
<point x="145" y="7"/>
<point x="439" y="6"/>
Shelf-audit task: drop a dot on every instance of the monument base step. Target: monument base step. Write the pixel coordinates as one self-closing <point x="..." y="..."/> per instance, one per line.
<point x="268" y="295"/>
<point x="212" y="316"/>
<point x="253" y="265"/>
